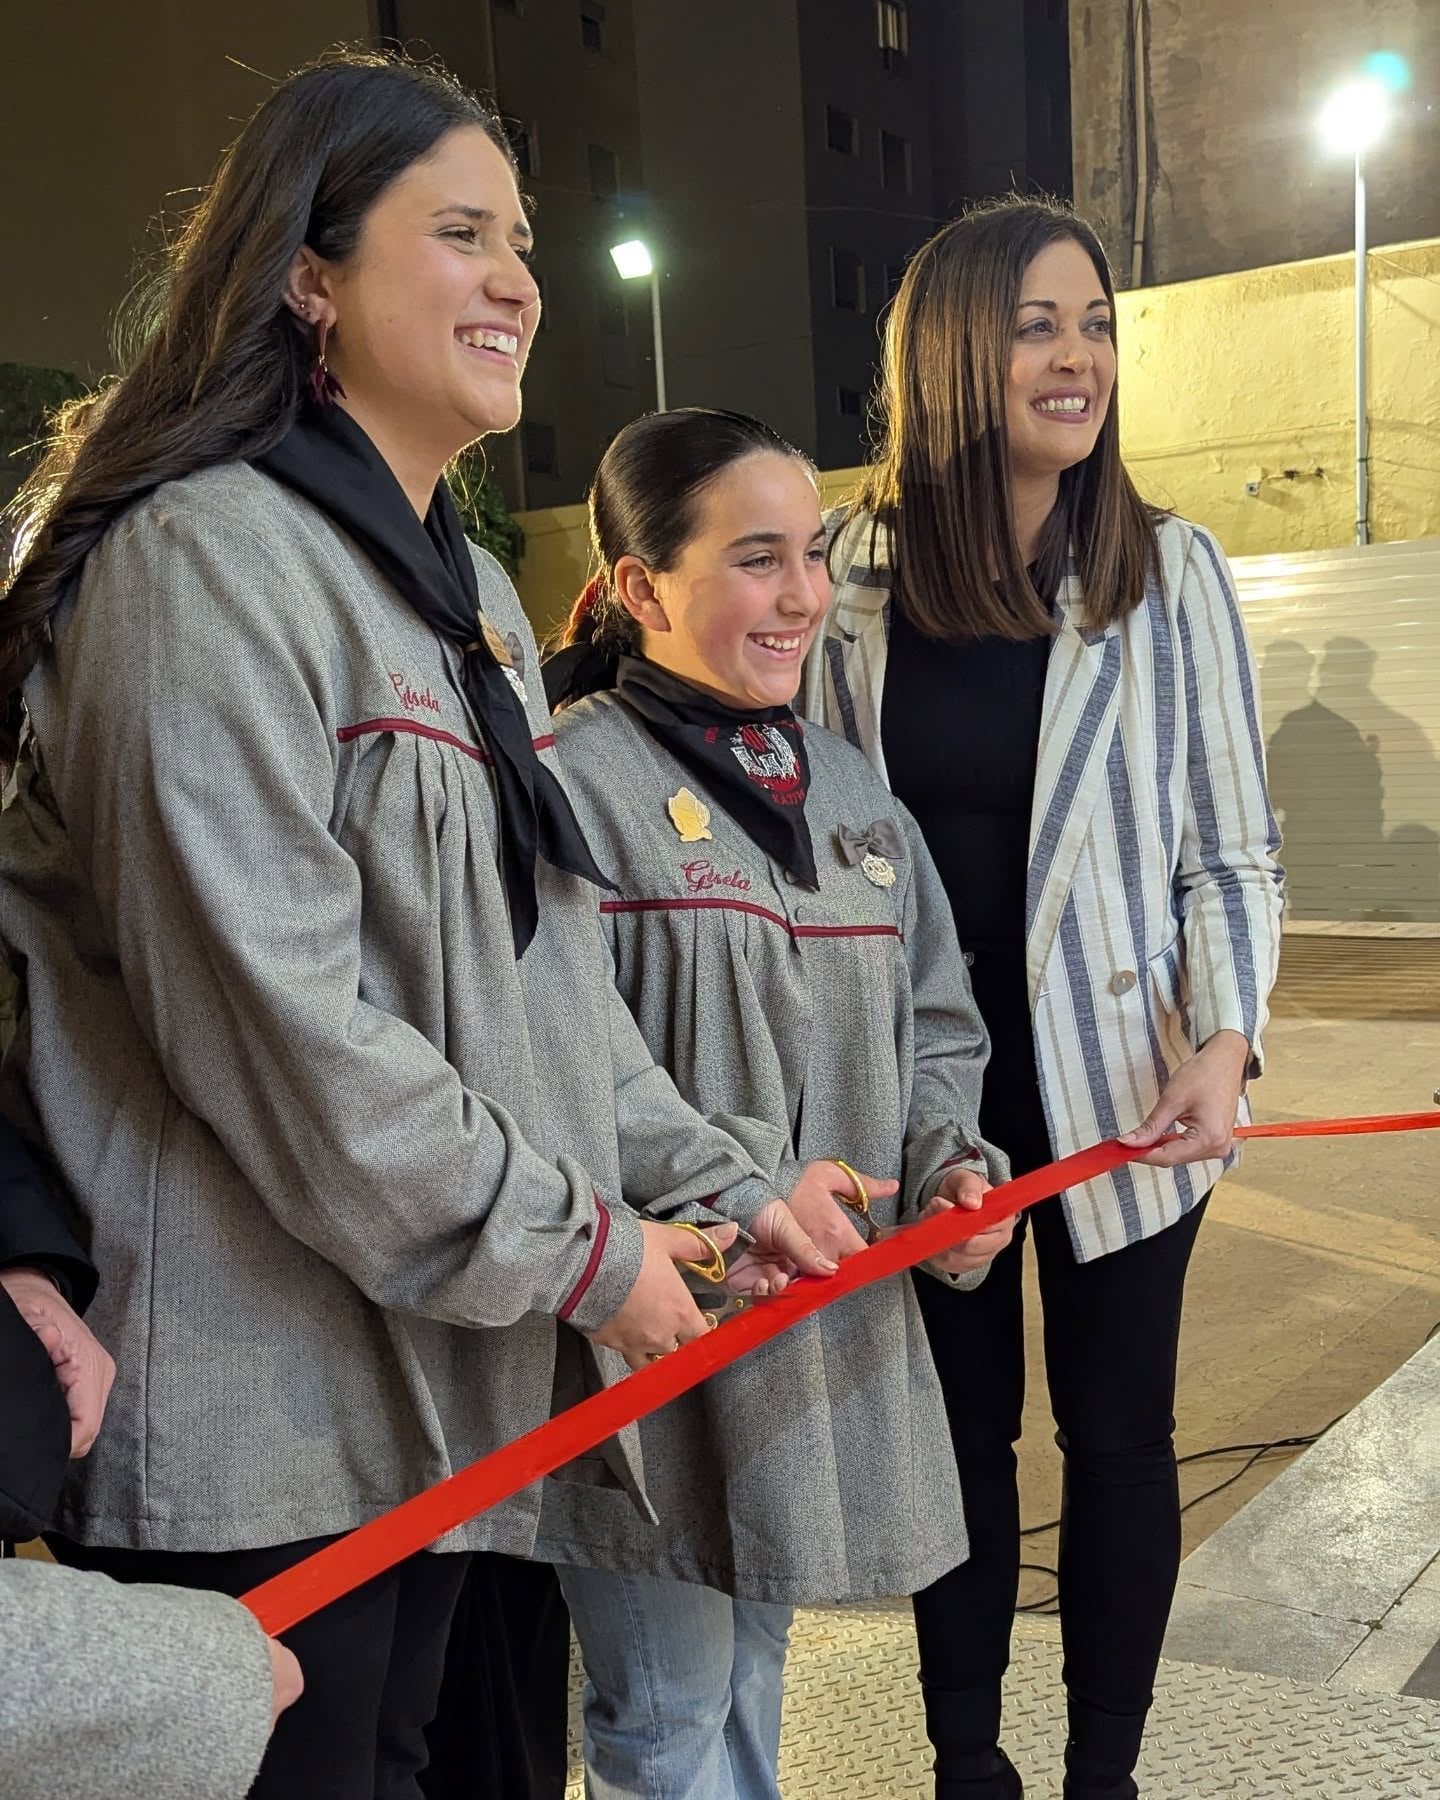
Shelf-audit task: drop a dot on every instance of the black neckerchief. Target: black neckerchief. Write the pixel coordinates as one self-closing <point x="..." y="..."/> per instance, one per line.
<point x="752" y="761"/>
<point x="329" y="459"/>
<point x="571" y="673"/>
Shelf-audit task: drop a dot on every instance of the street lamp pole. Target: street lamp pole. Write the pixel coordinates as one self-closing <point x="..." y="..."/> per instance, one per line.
<point x="1352" y="119"/>
<point x="1362" y="398"/>
<point x="635" y="263"/>
<point x="660" y="340"/>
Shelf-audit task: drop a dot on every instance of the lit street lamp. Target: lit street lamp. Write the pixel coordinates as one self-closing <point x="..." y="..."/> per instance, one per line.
<point x="635" y="263"/>
<point x="1352" y="120"/>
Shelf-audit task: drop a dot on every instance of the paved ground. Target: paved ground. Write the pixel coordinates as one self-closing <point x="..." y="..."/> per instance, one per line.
<point x="1333" y="1573"/>
<point x="853" y="1726"/>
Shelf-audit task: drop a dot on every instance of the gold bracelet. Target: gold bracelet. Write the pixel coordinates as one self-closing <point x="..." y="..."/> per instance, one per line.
<point x="712" y="1269"/>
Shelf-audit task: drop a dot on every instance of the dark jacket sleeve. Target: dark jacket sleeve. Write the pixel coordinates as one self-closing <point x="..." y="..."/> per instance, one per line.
<point x="35" y="1229"/>
<point x="34" y="1430"/>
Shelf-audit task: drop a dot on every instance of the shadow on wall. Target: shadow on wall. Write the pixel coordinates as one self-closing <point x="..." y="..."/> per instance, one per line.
<point x="1355" y="783"/>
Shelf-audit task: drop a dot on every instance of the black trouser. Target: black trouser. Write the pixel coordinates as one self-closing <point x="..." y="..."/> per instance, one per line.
<point x="1111" y="1336"/>
<point x="371" y="1661"/>
<point x="500" y="1729"/>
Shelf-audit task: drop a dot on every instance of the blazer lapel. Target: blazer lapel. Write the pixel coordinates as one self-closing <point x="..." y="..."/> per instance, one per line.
<point x="855" y="643"/>
<point x="1082" y="705"/>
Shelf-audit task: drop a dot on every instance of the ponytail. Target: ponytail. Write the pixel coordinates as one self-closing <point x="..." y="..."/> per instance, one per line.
<point x="586" y="650"/>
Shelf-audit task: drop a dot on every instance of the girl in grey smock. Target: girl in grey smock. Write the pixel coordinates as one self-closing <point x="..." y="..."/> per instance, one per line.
<point x="780" y="935"/>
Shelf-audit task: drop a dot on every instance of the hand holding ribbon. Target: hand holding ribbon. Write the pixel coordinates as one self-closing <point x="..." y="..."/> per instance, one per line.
<point x="343" y="1565"/>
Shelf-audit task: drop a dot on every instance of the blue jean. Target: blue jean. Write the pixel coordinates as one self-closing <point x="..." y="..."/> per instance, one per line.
<point x="683" y="1688"/>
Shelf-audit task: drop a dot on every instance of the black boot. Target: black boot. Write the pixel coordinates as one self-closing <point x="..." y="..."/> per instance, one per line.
<point x="1001" y="1782"/>
<point x="1101" y="1753"/>
<point x="964" y="1726"/>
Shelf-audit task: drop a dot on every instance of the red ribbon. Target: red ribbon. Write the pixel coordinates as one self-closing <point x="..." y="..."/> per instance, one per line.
<point x="299" y="1591"/>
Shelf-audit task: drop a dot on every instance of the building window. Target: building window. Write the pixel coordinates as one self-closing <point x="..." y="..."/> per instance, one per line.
<point x="604" y="172"/>
<point x="892" y="29"/>
<point x="895" y="162"/>
<point x="840" y="133"/>
<point x="542" y="455"/>
<point x="592" y="24"/>
<point x="525" y="143"/>
<point x="847" y="280"/>
<point x="849" y="402"/>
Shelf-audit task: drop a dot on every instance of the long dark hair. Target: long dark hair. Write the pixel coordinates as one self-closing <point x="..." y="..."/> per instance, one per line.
<point x="222" y="362"/>
<point x="643" y="502"/>
<point x="940" y="485"/>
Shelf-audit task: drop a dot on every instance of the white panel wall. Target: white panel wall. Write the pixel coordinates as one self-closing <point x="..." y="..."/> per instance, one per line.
<point x="1348" y="643"/>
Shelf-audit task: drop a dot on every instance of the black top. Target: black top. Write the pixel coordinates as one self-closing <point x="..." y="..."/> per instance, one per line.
<point x="35" y="1224"/>
<point x="960" y="725"/>
<point x="34" y="1420"/>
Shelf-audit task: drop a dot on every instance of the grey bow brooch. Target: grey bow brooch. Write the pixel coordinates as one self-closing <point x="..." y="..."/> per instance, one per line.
<point x="873" y="849"/>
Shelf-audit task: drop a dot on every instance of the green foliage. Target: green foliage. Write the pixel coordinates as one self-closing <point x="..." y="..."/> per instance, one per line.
<point x="482" y="507"/>
<point x="27" y="398"/>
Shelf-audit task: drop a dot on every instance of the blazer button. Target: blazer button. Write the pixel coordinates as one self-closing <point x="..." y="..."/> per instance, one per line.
<point x="1123" y="982"/>
<point x="969" y="959"/>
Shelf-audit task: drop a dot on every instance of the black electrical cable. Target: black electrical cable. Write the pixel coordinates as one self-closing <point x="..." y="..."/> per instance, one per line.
<point x="1049" y="1605"/>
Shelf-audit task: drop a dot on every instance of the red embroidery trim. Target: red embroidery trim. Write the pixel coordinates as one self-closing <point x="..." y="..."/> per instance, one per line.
<point x="597" y="1250"/>
<point x="416" y="728"/>
<point x="748" y="906"/>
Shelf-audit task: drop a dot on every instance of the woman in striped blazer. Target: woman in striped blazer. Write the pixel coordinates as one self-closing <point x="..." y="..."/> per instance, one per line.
<point x="1055" y="680"/>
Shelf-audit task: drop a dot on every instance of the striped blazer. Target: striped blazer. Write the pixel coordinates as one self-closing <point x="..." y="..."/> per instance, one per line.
<point x="1153" y="897"/>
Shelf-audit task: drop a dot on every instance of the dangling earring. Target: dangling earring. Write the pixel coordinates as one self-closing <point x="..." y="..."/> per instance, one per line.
<point x="324" y="387"/>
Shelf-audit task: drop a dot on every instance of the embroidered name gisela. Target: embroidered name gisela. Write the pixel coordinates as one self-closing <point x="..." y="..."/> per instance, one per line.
<point x="701" y="877"/>
<point x="413" y="699"/>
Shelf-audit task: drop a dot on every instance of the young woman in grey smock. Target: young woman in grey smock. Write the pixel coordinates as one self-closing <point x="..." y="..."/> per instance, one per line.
<point x="781" y="937"/>
<point x="321" y="1028"/>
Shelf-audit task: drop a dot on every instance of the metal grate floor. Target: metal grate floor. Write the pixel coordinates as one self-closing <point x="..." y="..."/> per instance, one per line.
<point x="853" y="1724"/>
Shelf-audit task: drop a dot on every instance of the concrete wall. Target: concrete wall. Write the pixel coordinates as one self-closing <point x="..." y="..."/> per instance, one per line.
<point x="1243" y="377"/>
<point x="1227" y="381"/>
<point x="109" y="113"/>
<point x="1238" y="179"/>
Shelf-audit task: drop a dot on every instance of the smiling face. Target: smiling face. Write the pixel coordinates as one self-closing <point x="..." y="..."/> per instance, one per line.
<point x="433" y="315"/>
<point x="1062" y="363"/>
<point x="740" y="608"/>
